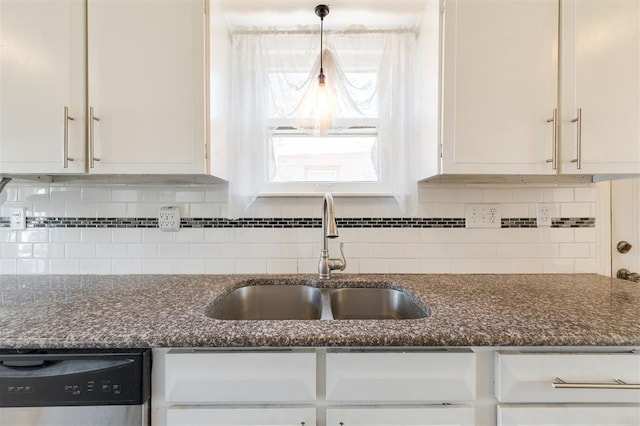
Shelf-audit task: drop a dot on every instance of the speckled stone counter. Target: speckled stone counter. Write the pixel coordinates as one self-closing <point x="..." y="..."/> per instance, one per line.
<point x="466" y="310"/>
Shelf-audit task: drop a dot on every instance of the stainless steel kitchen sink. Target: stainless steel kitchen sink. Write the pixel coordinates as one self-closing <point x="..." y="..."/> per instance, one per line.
<point x="282" y="301"/>
<point x="269" y="302"/>
<point x="374" y="303"/>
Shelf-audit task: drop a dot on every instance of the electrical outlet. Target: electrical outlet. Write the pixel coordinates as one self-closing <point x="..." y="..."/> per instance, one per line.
<point x="543" y="214"/>
<point x="169" y="219"/>
<point x="18" y="219"/>
<point x="483" y="216"/>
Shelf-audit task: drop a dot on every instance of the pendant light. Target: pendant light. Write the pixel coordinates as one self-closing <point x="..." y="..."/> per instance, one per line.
<point x="322" y="10"/>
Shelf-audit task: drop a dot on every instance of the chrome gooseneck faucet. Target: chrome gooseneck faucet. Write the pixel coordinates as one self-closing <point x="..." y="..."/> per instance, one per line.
<point x="329" y="230"/>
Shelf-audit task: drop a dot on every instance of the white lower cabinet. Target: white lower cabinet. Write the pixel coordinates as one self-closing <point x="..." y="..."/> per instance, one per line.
<point x="423" y="416"/>
<point x="314" y="386"/>
<point x="578" y="415"/>
<point x="479" y="386"/>
<point x="569" y="388"/>
<point x="262" y="416"/>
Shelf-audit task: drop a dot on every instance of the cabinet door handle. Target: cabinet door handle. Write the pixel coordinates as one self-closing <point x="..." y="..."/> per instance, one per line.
<point x="66" y="157"/>
<point x="554" y="146"/>
<point x="92" y="157"/>
<point x="616" y="384"/>
<point x="578" y="121"/>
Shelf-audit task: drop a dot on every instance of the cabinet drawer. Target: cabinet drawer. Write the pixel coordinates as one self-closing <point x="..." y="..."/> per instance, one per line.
<point x="240" y="416"/>
<point x="603" y="415"/>
<point x="223" y="377"/>
<point x="438" y="415"/>
<point x="530" y="377"/>
<point x="444" y="376"/>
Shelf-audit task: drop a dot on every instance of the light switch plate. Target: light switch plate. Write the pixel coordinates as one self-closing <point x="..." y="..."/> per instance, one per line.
<point x="169" y="219"/>
<point x="483" y="216"/>
<point x="18" y="218"/>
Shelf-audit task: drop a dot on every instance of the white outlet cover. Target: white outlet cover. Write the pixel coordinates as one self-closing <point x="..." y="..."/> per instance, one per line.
<point x="169" y="219"/>
<point x="18" y="218"/>
<point x="543" y="214"/>
<point x="483" y="216"/>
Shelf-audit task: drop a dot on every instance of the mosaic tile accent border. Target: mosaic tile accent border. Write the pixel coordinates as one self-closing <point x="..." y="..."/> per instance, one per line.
<point x="120" y="222"/>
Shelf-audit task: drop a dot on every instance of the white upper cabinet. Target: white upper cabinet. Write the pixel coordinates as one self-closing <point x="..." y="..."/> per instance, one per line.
<point x="601" y="82"/>
<point x="500" y="85"/>
<point x="541" y="87"/>
<point x="146" y="73"/>
<point x="42" y="56"/>
<point x="130" y="75"/>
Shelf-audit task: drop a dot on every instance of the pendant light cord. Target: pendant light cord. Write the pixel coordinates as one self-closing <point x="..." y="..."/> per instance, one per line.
<point x="322" y="10"/>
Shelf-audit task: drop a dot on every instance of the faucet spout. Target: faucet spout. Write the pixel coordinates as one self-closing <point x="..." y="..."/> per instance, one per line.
<point x="329" y="230"/>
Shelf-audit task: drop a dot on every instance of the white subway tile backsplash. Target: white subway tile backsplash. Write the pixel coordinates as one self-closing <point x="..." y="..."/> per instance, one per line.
<point x="560" y="195"/>
<point x="559" y="266"/>
<point x="156" y="266"/>
<point x="173" y="251"/>
<point x="252" y="266"/>
<point x="435" y="266"/>
<point x="49" y="251"/>
<point x="127" y="266"/>
<point x="404" y="266"/>
<point x="294" y="250"/>
<point x="95" y="194"/>
<point x="127" y="235"/>
<point x="111" y="250"/>
<point x="467" y="266"/>
<point x="190" y="235"/>
<point x="64" y="235"/>
<point x="96" y="266"/>
<point x="576" y="210"/>
<point x="188" y="266"/>
<point x="111" y="209"/>
<point x="8" y="266"/>
<point x="142" y="251"/>
<point x="66" y="194"/>
<point x="220" y="266"/>
<point x="282" y="266"/>
<point x="32" y="266"/>
<point x="32" y="236"/>
<point x="65" y="266"/>
<point x="574" y="250"/>
<point x="80" y="250"/>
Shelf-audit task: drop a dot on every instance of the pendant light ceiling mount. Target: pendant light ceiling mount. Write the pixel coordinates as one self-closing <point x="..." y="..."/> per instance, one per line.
<point x="322" y="10"/>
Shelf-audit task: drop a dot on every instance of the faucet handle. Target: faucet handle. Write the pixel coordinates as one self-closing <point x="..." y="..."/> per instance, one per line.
<point x="338" y="264"/>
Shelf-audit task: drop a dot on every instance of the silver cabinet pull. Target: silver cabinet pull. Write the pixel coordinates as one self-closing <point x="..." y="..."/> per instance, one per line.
<point x="66" y="157"/>
<point x="92" y="157"/>
<point x="554" y="147"/>
<point x="578" y="121"/>
<point x="616" y="384"/>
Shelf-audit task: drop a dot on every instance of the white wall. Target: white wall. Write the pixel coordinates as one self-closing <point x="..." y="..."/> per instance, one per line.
<point x="260" y="250"/>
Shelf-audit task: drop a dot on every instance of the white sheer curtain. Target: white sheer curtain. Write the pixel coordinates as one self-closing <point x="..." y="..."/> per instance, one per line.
<point x="274" y="85"/>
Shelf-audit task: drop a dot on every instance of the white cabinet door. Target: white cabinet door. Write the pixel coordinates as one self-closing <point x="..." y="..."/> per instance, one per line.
<point x="588" y="378"/>
<point x="424" y="416"/>
<point x="601" y="79"/>
<point x="447" y="376"/>
<point x="241" y="416"/>
<point x="240" y="377"/>
<point x="500" y="80"/>
<point x="42" y="72"/>
<point x="146" y="86"/>
<point x="584" y="415"/>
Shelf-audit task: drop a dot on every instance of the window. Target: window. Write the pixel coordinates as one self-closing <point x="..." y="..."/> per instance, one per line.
<point x="283" y="141"/>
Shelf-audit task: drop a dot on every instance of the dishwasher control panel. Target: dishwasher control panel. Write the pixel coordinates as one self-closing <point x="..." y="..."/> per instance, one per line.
<point x="85" y="378"/>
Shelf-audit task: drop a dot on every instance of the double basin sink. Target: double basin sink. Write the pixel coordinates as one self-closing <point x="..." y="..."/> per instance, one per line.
<point x="286" y="300"/>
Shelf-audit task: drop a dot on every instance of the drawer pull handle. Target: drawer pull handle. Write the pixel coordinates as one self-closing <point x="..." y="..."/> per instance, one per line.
<point x="616" y="384"/>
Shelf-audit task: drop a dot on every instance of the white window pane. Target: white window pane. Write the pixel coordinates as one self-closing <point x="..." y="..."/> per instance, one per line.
<point x="332" y="158"/>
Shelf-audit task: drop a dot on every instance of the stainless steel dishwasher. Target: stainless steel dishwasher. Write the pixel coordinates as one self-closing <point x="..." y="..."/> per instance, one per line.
<point x="80" y="387"/>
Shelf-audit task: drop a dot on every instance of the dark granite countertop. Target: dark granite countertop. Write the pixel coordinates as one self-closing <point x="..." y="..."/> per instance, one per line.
<point x="93" y="311"/>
